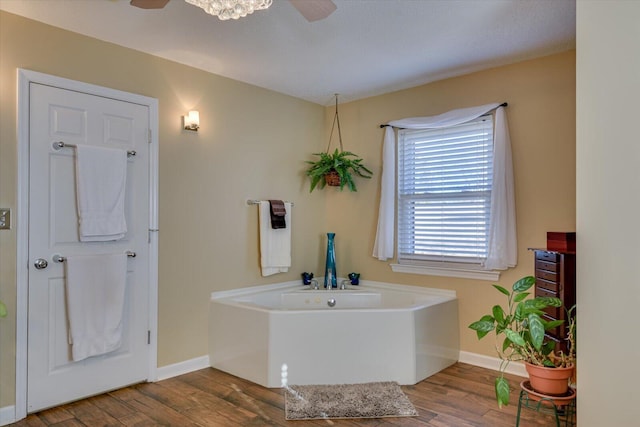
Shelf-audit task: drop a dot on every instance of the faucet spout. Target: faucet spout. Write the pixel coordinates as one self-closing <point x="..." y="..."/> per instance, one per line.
<point x="329" y="279"/>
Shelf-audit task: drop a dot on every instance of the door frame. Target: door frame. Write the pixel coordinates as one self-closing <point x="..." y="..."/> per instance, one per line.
<point x="25" y="78"/>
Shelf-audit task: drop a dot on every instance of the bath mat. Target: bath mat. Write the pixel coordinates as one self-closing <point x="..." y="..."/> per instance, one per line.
<point x="369" y="400"/>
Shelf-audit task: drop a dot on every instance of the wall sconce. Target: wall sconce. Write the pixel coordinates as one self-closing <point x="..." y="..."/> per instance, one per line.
<point x="192" y="121"/>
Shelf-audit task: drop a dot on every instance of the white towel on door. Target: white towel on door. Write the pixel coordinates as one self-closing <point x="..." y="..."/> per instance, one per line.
<point x="95" y="303"/>
<point x="101" y="175"/>
<point x="275" y="244"/>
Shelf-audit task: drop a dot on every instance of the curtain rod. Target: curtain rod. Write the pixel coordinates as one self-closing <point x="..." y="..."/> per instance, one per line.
<point x="504" y="104"/>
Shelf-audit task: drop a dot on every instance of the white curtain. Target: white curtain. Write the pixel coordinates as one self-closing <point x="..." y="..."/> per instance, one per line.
<point x="502" y="251"/>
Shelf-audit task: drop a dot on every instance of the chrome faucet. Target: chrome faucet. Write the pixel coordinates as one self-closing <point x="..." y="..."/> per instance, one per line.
<point x="329" y="279"/>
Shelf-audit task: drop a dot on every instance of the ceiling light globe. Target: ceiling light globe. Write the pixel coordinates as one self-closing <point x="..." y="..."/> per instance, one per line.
<point x="231" y="9"/>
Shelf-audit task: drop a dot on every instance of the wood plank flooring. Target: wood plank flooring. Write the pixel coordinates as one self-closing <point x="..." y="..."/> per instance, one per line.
<point x="459" y="396"/>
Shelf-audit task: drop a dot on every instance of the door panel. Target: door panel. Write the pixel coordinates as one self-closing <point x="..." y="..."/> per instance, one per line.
<point x="78" y="118"/>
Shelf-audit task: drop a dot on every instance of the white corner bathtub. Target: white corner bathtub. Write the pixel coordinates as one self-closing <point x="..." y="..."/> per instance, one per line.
<point x="373" y="332"/>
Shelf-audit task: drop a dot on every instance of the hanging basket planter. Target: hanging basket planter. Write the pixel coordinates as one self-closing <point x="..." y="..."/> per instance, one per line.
<point x="338" y="168"/>
<point x="332" y="179"/>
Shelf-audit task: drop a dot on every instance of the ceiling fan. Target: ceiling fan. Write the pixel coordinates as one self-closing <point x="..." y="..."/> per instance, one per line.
<point x="312" y="10"/>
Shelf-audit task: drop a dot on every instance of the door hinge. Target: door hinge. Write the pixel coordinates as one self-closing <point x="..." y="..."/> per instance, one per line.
<point x="149" y="136"/>
<point x="148" y="337"/>
<point x="151" y="230"/>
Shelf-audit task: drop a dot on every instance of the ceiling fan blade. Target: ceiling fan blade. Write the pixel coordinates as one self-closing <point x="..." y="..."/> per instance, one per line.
<point x="149" y="4"/>
<point x="314" y="10"/>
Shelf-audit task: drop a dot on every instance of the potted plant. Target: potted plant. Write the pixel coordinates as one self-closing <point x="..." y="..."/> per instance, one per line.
<point x="522" y="325"/>
<point x="336" y="169"/>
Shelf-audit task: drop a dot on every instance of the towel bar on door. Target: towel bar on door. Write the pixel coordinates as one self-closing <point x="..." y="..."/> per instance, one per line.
<point x="59" y="145"/>
<point x="60" y="258"/>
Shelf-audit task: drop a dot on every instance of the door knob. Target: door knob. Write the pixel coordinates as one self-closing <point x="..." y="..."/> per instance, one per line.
<point x="41" y="263"/>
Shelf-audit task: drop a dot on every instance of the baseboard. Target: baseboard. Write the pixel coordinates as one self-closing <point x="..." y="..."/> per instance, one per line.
<point x="181" y="368"/>
<point x="489" y="362"/>
<point x="7" y="415"/>
<point x="475" y="359"/>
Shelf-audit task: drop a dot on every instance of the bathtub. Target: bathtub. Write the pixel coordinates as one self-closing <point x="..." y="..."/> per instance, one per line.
<point x="371" y="332"/>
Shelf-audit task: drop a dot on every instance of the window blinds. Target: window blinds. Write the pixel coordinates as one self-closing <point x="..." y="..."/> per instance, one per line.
<point x="444" y="192"/>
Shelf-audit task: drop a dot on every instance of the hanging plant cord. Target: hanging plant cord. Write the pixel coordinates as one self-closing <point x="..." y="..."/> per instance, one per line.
<point x="336" y="119"/>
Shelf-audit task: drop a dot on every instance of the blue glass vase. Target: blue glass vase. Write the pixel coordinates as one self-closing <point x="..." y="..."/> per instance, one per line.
<point x="330" y="275"/>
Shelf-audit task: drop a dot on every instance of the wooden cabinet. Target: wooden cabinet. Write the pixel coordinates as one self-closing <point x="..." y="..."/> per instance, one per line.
<point x="555" y="274"/>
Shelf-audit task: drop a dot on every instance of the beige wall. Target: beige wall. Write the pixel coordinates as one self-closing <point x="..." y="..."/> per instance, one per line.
<point x="253" y="144"/>
<point x="608" y="202"/>
<point x="541" y="114"/>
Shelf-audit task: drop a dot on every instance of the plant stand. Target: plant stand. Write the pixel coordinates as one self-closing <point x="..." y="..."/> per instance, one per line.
<point x="562" y="408"/>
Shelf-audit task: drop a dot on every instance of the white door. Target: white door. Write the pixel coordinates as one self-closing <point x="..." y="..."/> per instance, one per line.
<point x="78" y="118"/>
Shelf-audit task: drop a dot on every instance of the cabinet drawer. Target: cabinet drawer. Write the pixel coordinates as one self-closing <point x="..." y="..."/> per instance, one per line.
<point x="554" y="267"/>
<point x="550" y="276"/>
<point x="552" y="313"/>
<point x="560" y="346"/>
<point x="547" y="256"/>
<point x="554" y="333"/>
<point x="550" y="286"/>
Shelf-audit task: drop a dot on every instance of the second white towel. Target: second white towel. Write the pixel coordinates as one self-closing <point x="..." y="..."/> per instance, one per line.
<point x="95" y="303"/>
<point x="275" y="244"/>
<point x="101" y="176"/>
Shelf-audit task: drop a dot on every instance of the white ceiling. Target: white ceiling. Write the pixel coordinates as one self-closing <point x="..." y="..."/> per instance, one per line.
<point x="365" y="48"/>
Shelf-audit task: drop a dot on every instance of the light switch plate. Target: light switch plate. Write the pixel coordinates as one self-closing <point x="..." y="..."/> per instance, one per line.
<point x="5" y="219"/>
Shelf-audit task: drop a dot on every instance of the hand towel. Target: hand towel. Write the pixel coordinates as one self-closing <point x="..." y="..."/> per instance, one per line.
<point x="275" y="244"/>
<point x="278" y="212"/>
<point x="101" y="186"/>
<point x="95" y="303"/>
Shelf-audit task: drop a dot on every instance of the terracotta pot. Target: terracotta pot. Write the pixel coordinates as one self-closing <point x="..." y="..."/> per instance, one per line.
<point x="549" y="381"/>
<point x="332" y="178"/>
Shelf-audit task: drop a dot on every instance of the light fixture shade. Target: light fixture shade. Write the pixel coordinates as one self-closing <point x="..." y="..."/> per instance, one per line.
<point x="230" y="9"/>
<point x="192" y="120"/>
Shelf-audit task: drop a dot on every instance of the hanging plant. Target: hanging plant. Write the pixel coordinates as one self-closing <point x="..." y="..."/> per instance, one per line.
<point x="336" y="169"/>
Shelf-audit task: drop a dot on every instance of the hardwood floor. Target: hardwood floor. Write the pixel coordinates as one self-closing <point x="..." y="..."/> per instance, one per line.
<point x="461" y="395"/>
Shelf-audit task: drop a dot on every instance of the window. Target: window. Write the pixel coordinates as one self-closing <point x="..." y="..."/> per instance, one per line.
<point x="444" y="194"/>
